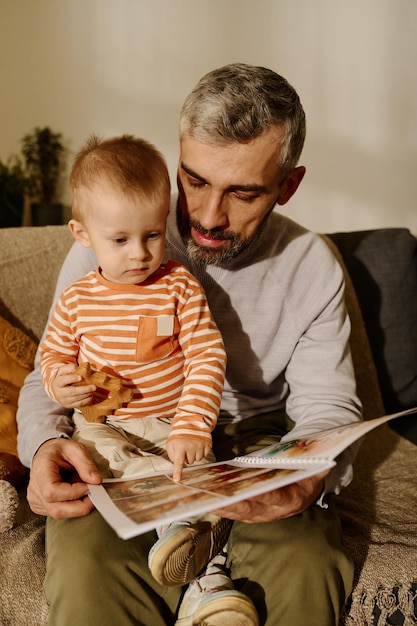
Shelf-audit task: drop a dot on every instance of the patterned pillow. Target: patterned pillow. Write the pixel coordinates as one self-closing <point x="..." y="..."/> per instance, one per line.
<point x="17" y="352"/>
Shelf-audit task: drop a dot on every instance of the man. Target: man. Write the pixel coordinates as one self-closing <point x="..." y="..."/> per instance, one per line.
<point x="277" y="296"/>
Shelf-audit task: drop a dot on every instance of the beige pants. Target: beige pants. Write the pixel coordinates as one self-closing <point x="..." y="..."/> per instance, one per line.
<point x="125" y="448"/>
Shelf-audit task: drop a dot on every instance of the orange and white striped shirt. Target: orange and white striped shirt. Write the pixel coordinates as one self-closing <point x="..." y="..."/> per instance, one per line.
<point x="158" y="336"/>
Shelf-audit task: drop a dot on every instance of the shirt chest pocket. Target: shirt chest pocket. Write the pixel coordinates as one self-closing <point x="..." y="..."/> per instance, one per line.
<point x="157" y="337"/>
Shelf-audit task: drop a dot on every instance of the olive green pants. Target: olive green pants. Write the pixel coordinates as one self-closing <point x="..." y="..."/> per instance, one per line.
<point x="296" y="570"/>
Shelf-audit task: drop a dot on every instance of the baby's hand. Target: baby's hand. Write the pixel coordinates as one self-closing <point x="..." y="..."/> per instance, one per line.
<point x="185" y="451"/>
<point x="66" y="392"/>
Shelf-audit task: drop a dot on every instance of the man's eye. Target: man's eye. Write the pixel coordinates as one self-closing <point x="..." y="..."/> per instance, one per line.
<point x="245" y="197"/>
<point x="197" y="184"/>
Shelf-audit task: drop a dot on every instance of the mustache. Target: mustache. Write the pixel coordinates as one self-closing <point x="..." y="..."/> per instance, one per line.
<point x="218" y="235"/>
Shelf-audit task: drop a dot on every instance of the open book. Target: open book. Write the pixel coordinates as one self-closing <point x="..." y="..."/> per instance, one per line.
<point x="135" y="505"/>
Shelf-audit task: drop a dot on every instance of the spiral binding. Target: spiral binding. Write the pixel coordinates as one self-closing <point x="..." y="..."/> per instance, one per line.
<point x="258" y="460"/>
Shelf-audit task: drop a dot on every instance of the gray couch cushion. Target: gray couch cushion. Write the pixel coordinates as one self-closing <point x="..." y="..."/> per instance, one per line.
<point x="383" y="268"/>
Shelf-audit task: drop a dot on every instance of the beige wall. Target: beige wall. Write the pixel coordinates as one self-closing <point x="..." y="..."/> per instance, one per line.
<point x="113" y="66"/>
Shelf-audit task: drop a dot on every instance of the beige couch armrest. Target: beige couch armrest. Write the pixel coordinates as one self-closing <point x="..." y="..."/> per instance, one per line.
<point x="30" y="260"/>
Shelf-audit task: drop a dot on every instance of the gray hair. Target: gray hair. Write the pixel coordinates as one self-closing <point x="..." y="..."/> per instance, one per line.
<point x="240" y="102"/>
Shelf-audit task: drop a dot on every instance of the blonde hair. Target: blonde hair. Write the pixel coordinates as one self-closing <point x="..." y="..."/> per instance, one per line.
<point x="130" y="164"/>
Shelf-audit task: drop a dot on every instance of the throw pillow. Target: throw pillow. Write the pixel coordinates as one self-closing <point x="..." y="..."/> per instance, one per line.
<point x="17" y="353"/>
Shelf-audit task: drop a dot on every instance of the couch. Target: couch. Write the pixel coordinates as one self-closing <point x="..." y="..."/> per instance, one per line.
<point x="378" y="510"/>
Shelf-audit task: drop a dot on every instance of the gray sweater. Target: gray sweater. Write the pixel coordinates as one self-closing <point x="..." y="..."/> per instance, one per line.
<point x="280" y="308"/>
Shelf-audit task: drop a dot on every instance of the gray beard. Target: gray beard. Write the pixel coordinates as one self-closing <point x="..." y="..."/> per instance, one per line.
<point x="212" y="256"/>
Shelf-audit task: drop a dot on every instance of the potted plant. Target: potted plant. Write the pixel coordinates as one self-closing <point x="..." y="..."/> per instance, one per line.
<point x="13" y="184"/>
<point x="43" y="153"/>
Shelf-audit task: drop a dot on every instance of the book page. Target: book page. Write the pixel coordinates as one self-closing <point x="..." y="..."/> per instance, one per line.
<point x="317" y="448"/>
<point x="134" y="506"/>
<point x="137" y="505"/>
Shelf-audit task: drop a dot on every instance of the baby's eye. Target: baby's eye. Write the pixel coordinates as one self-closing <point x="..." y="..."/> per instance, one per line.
<point x="154" y="235"/>
<point x="120" y="240"/>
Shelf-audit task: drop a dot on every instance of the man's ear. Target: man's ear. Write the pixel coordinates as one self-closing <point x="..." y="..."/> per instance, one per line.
<point x="291" y="184"/>
<point x="79" y="233"/>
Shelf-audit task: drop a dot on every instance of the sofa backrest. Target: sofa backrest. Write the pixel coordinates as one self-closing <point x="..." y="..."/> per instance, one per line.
<point x="382" y="265"/>
<point x="367" y="384"/>
<point x="30" y="260"/>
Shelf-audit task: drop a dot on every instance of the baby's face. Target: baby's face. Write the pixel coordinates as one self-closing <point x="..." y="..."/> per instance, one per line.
<point x="126" y="232"/>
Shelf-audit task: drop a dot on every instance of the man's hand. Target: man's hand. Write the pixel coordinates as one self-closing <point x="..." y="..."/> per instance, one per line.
<point x="59" y="478"/>
<point x="67" y="390"/>
<point x="185" y="451"/>
<point x="278" y="504"/>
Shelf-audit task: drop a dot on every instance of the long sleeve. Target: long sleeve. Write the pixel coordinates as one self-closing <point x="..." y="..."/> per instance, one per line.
<point x="280" y="308"/>
<point x="204" y="370"/>
<point x="60" y="345"/>
<point x="39" y="418"/>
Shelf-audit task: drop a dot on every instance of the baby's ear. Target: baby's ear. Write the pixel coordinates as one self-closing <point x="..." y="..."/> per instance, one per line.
<point x="79" y="233"/>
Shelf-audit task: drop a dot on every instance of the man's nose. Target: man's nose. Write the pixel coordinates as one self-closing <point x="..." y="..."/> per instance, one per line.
<point x="213" y="212"/>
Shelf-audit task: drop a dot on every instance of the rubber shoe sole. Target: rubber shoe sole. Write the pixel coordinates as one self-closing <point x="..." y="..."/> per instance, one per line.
<point x="183" y="551"/>
<point x="223" y="608"/>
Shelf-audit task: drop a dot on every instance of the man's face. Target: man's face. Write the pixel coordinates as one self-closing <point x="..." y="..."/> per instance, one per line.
<point x="226" y="192"/>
